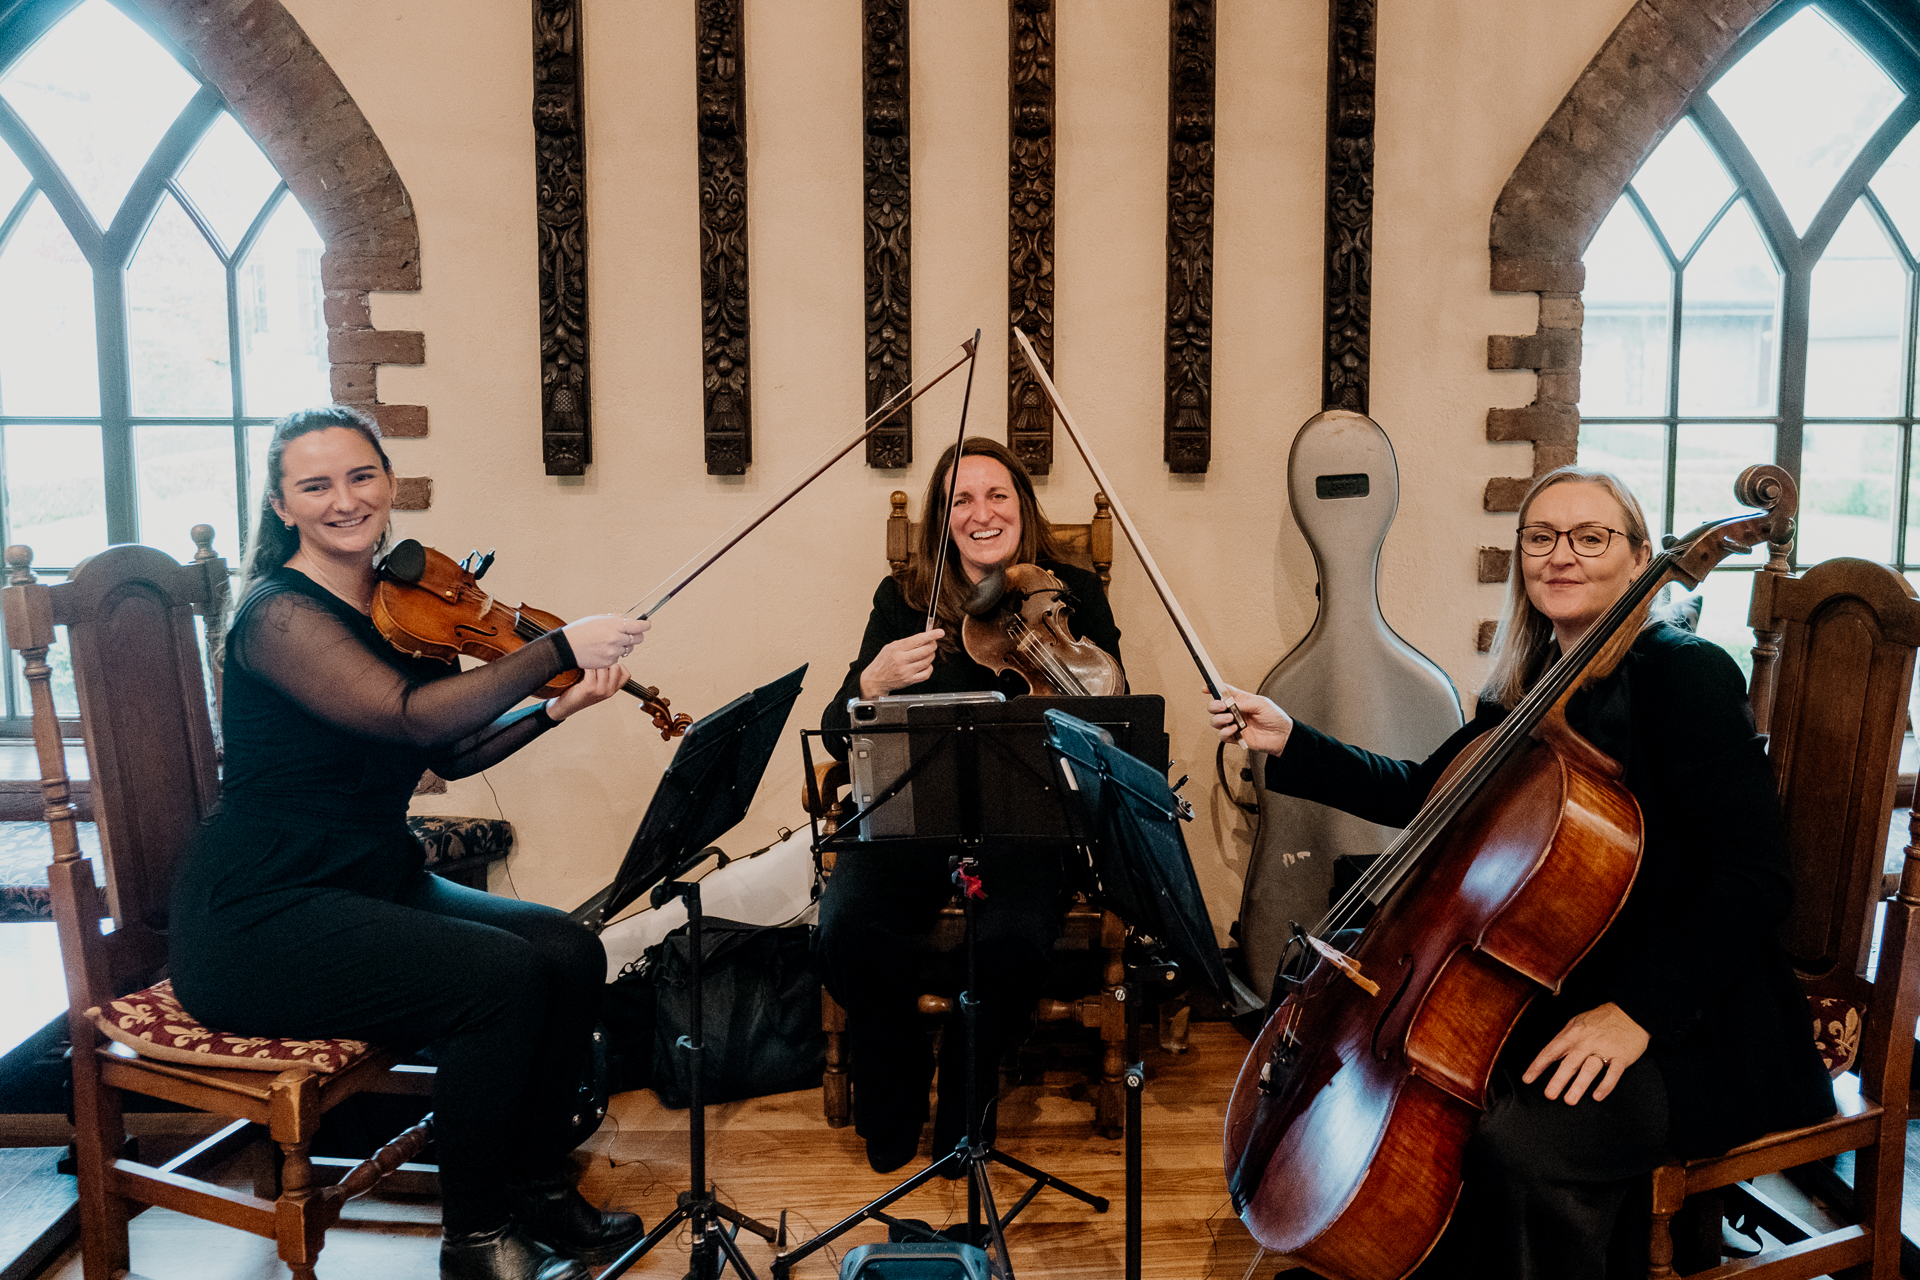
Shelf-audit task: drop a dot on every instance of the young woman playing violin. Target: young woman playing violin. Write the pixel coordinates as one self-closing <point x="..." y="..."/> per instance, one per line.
<point x="304" y="909"/>
<point x="877" y="905"/>
<point x="1683" y="1032"/>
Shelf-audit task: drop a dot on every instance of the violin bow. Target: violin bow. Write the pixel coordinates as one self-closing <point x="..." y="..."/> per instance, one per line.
<point x="953" y="487"/>
<point x="875" y="420"/>
<point x="1215" y="685"/>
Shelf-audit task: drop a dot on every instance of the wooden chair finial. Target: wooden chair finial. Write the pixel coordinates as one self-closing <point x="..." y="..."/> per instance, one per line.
<point x="202" y="535"/>
<point x="20" y="565"/>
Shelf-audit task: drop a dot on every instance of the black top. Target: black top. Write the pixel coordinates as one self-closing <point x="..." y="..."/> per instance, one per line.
<point x="1693" y="956"/>
<point x="326" y="729"/>
<point x="894" y="619"/>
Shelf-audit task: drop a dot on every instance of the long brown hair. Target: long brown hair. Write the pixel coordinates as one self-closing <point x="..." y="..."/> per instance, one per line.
<point x="1036" y="538"/>
<point x="274" y="541"/>
<point x="1525" y="635"/>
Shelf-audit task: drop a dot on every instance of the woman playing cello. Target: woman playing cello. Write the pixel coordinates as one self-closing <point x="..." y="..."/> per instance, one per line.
<point x="877" y="905"/>
<point x="1683" y="1032"/>
<point x="304" y="909"/>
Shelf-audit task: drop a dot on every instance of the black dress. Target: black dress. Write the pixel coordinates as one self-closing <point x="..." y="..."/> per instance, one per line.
<point x="305" y="910"/>
<point x="879" y="905"/>
<point x="1693" y="958"/>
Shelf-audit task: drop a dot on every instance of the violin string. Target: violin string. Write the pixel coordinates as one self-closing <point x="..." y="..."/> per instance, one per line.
<point x="1042" y="655"/>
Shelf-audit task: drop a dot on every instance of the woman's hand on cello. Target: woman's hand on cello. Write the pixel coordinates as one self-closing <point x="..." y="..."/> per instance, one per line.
<point x="593" y="686"/>
<point x="604" y="639"/>
<point x="1598" y="1044"/>
<point x="1267" y="725"/>
<point x="906" y="661"/>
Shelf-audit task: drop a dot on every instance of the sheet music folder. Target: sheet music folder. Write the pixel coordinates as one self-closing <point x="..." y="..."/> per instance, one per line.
<point x="702" y="795"/>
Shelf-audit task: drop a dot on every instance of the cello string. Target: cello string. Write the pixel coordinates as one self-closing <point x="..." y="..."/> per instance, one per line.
<point x="683" y="576"/>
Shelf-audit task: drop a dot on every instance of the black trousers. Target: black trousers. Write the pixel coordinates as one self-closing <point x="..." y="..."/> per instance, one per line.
<point x="1545" y="1181"/>
<point x="505" y="991"/>
<point x="874" y="916"/>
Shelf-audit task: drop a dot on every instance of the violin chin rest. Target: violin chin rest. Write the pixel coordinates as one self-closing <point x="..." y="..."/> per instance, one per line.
<point x="987" y="593"/>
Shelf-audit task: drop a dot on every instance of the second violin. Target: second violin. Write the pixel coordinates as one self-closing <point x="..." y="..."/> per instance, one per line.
<point x="427" y="603"/>
<point x="1017" y="621"/>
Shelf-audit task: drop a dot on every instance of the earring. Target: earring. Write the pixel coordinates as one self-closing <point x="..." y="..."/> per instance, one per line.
<point x="289" y="524"/>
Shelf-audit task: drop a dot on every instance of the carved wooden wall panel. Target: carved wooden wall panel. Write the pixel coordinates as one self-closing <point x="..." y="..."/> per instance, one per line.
<point x="1348" y="297"/>
<point x="889" y="230"/>
<point x="721" y="80"/>
<point x="1030" y="226"/>
<point x="1189" y="371"/>
<point x="559" y="149"/>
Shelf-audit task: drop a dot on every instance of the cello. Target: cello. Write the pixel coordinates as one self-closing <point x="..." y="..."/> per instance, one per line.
<point x="1346" y="1129"/>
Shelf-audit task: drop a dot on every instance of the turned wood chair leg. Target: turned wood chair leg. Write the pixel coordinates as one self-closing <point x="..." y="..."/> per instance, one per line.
<point x="836" y="1086"/>
<point x="1669" y="1193"/>
<point x="98" y="1137"/>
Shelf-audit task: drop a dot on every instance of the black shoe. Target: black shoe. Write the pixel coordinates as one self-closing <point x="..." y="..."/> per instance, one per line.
<point x="554" y="1213"/>
<point x="888" y="1151"/>
<point x="504" y="1253"/>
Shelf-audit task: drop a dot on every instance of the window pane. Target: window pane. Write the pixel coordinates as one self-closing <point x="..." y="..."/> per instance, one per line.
<point x="1847" y="504"/>
<point x="1805" y="101"/>
<point x="177" y="321"/>
<point x="1898" y="186"/>
<point x="259" y="435"/>
<point x="48" y="363"/>
<point x="1637" y="453"/>
<point x="1729" y="315"/>
<point x="1912" y="551"/>
<point x="1723" y="615"/>
<point x="1707" y="460"/>
<point x="228" y="180"/>
<point x="1684" y="185"/>
<point x="1859" y="308"/>
<point x="98" y="93"/>
<point x="1624" y="353"/>
<point x="283" y="338"/>
<point x="186" y="478"/>
<point x="56" y="500"/>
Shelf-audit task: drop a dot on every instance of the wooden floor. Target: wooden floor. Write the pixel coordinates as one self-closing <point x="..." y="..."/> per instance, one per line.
<point x="777" y="1153"/>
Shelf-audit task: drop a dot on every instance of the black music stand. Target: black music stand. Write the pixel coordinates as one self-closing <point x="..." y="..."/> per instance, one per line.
<point x="1025" y="798"/>
<point x="704" y="792"/>
<point x="1131" y="819"/>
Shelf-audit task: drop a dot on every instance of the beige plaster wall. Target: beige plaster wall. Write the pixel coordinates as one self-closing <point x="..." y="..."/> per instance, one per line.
<point x="447" y="84"/>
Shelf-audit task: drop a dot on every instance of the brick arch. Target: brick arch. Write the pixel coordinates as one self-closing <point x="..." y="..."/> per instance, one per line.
<point x="281" y="89"/>
<point x="1621" y="105"/>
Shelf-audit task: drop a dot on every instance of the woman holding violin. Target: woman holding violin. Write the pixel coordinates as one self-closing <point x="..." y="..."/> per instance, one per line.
<point x="879" y="904"/>
<point x="305" y="909"/>
<point x="1683" y="1031"/>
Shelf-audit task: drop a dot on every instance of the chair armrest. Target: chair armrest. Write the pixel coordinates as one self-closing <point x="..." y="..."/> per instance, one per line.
<point x="829" y="776"/>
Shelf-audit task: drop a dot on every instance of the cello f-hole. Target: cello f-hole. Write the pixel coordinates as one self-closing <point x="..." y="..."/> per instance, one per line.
<point x="1406" y="980"/>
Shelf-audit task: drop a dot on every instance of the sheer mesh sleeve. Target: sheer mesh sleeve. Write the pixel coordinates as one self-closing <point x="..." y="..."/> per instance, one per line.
<point x="307" y="652"/>
<point x="494" y="743"/>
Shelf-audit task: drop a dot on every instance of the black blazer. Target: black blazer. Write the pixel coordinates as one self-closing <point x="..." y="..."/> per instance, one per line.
<point x="1693" y="956"/>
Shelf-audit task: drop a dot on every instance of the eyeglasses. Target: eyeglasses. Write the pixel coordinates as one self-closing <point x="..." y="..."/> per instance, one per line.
<point x="1587" y="540"/>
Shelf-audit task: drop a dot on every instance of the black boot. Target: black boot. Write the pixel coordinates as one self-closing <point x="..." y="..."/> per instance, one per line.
<point x="504" y="1253"/>
<point x="553" y="1212"/>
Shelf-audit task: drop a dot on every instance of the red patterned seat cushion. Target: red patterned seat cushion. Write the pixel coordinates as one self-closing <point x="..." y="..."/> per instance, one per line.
<point x="1836" y="1032"/>
<point x="152" y="1024"/>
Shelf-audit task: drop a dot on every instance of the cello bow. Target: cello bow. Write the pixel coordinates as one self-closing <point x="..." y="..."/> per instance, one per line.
<point x="1208" y="672"/>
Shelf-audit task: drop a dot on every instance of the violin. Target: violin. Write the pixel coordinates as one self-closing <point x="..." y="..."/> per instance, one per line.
<point x="1017" y="621"/>
<point x="429" y="604"/>
<point x="1347" y="1128"/>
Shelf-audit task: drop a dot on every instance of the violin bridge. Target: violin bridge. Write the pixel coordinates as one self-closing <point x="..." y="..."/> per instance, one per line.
<point x="1345" y="964"/>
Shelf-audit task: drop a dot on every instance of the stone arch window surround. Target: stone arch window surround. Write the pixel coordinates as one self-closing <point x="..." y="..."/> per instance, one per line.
<point x="1622" y="105"/>
<point x="277" y="84"/>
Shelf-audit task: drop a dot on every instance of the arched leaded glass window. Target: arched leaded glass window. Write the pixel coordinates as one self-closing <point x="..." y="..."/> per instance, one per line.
<point x="160" y="299"/>
<point x="1752" y="296"/>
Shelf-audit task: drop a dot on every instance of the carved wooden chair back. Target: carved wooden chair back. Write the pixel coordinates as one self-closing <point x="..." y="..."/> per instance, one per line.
<point x="130" y="617"/>
<point x="1832" y="672"/>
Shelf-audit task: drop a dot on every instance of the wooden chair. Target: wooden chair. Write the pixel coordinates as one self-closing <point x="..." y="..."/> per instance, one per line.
<point x="129" y="616"/>
<point x="1832" y="671"/>
<point x="1085" y="928"/>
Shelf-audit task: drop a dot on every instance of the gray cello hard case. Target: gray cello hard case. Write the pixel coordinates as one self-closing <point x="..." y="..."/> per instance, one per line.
<point x="1352" y="677"/>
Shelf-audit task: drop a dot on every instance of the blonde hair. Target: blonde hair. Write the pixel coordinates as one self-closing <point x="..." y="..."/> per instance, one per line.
<point x="1525" y="635"/>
